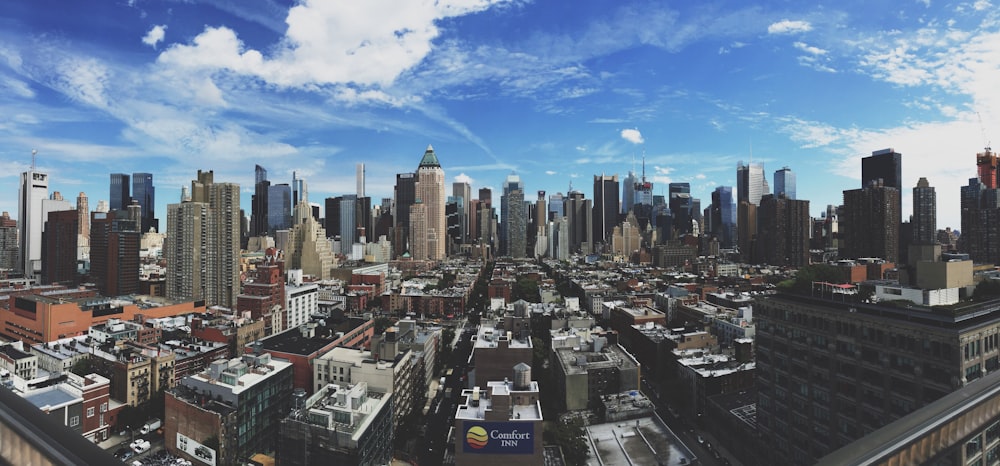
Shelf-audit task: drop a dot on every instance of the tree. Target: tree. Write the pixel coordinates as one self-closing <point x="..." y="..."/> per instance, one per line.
<point x="381" y="324"/>
<point x="569" y="436"/>
<point x="83" y="367"/>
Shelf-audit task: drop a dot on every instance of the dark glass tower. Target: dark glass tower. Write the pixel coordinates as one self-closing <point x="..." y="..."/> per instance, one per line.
<point x="605" y="215"/>
<point x="258" y="203"/>
<point x="144" y="192"/>
<point x="405" y="194"/>
<point x="924" y="213"/>
<point x="119" y="196"/>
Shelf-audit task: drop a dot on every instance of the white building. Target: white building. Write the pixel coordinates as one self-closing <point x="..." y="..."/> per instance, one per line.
<point x="301" y="300"/>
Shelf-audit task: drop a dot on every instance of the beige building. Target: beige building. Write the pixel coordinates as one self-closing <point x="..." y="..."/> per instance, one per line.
<point x="308" y="248"/>
<point x="399" y="374"/>
<point x="430" y="191"/>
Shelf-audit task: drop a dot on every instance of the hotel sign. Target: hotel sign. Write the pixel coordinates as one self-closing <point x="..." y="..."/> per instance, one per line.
<point x="515" y="438"/>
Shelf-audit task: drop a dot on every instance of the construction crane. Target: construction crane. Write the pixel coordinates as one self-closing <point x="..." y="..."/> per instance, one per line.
<point x="982" y="128"/>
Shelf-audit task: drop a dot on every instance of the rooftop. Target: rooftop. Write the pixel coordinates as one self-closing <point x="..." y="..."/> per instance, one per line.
<point x="347" y="409"/>
<point x="471" y="410"/>
<point x="292" y="341"/>
<point x="639" y="441"/>
<point x="52" y="398"/>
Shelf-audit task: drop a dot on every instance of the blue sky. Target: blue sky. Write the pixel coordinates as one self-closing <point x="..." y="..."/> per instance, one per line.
<point x="556" y="91"/>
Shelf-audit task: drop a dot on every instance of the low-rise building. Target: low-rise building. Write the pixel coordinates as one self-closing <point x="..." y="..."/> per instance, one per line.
<point x="500" y="424"/>
<point x="585" y="373"/>
<point x="402" y="376"/>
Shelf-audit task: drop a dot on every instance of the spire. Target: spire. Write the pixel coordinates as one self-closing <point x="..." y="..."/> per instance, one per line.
<point x="429" y="159"/>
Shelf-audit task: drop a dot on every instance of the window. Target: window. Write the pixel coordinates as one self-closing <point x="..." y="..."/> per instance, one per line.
<point x="104" y="407"/>
<point x="74" y="421"/>
<point x="90" y="411"/>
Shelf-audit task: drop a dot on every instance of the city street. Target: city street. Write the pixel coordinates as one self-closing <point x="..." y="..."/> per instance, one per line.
<point x="440" y="418"/>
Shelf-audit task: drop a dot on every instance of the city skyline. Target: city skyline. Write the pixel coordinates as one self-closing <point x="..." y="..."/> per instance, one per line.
<point x="556" y="95"/>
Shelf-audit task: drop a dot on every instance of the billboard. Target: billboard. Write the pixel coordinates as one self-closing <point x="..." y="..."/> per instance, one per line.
<point x="514" y="438"/>
<point x="190" y="446"/>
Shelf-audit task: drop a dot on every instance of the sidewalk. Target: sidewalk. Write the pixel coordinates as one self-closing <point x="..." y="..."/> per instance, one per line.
<point x="114" y="441"/>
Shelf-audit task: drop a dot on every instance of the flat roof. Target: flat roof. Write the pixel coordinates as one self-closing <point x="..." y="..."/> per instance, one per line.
<point x="52" y="398"/>
<point x="291" y="341"/>
<point x="528" y="412"/>
<point x="636" y="441"/>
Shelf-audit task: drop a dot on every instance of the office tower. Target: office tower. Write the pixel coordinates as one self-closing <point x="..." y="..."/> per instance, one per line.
<point x="784" y="182"/>
<point x="34" y="189"/>
<point x="114" y="253"/>
<point x="360" y="179"/>
<point x="348" y="223"/>
<point x="8" y="242"/>
<point x="430" y="191"/>
<point x="980" y="215"/>
<point x="746" y="230"/>
<point x="299" y="191"/>
<point x="202" y="248"/>
<point x="462" y="193"/>
<point x="723" y="213"/>
<point x="628" y="192"/>
<point x="83" y="214"/>
<point x="580" y="222"/>
<point x="308" y="247"/>
<point x="680" y="208"/>
<point x="363" y="214"/>
<point x="279" y="208"/>
<point x="452" y="213"/>
<point x="924" y="213"/>
<point x="511" y="184"/>
<point x="418" y="231"/>
<point x="144" y="192"/>
<point x="119" y="193"/>
<point x="605" y="215"/>
<point x="986" y="168"/>
<point x="783" y="227"/>
<point x="332" y="211"/>
<point x="556" y="206"/>
<point x="404" y="195"/>
<point x="643" y="204"/>
<point x="258" y="203"/>
<point x="538" y="239"/>
<point x="518" y="224"/>
<point x="59" y="248"/>
<point x="870" y="224"/>
<point x="829" y="372"/>
<point x="885" y="165"/>
<point x="751" y="184"/>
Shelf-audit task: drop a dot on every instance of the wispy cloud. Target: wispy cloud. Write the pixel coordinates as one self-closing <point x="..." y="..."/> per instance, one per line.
<point x="155" y="35"/>
<point x="786" y="26"/>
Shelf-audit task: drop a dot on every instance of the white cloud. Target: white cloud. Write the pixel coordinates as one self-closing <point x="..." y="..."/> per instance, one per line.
<point x="786" y="26"/>
<point x="363" y="44"/>
<point x="550" y="172"/>
<point x="632" y="135"/>
<point x="155" y="35"/>
<point x="981" y="5"/>
<point x="809" y="49"/>
<point x="17" y="87"/>
<point x="463" y="178"/>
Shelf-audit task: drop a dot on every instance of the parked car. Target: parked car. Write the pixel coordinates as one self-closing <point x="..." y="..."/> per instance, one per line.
<point x="123" y="453"/>
<point x="141" y="445"/>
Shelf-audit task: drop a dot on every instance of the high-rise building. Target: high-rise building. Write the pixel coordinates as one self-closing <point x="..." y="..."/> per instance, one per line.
<point x="119" y="192"/>
<point x="348" y="223"/>
<point x="34" y="189"/>
<point x="114" y="253"/>
<point x="829" y="371"/>
<point x="746" y="230"/>
<point x="606" y="208"/>
<point x="885" y="165"/>
<point x="751" y="184"/>
<point x="279" y="208"/>
<point x="462" y="192"/>
<point x="360" y="179"/>
<point x="308" y="247"/>
<point x="83" y="214"/>
<point x="540" y="224"/>
<point x="511" y="184"/>
<point x="628" y="192"/>
<point x="723" y="219"/>
<point x="144" y="192"/>
<point x="430" y="191"/>
<point x="580" y="221"/>
<point x="8" y="242"/>
<point x="258" y="203"/>
<point x="202" y="248"/>
<point x="986" y="167"/>
<point x="518" y="225"/>
<point x="59" y="248"/>
<point x="418" y="231"/>
<point x="784" y="183"/>
<point x="404" y="195"/>
<point x="870" y="223"/>
<point x="556" y="205"/>
<point x="924" y="221"/>
<point x="783" y="227"/>
<point x="299" y="191"/>
<point x="680" y="208"/>
<point x="980" y="215"/>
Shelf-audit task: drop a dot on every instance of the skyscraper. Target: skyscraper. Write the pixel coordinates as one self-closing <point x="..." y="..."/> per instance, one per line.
<point x="885" y="165"/>
<point x="34" y="189"/>
<point x="628" y="192"/>
<point x="299" y="191"/>
<point x="202" y="247"/>
<point x="556" y="205"/>
<point x="784" y="182"/>
<point x="751" y="184"/>
<point x="510" y="184"/>
<point x="119" y="192"/>
<point x="8" y="242"/>
<point x="360" y="179"/>
<point x="258" y="203"/>
<point x="348" y="223"/>
<point x="580" y="221"/>
<point x="279" y="208"/>
<point x="924" y="222"/>
<point x="144" y="192"/>
<point x="986" y="168"/>
<point x="680" y="207"/>
<point x="783" y="227"/>
<point x="430" y="190"/>
<point x="418" y="231"/>
<point x="605" y="214"/>
<point x="462" y="192"/>
<point x="83" y="213"/>
<point x="404" y="195"/>
<point x="59" y="248"/>
<point x="724" y="216"/>
<point x="518" y="225"/>
<point x="870" y="225"/>
<point x="114" y="253"/>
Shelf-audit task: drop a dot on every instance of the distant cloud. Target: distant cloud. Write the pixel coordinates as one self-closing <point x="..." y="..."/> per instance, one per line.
<point x="607" y="120"/>
<point x="633" y="136"/>
<point x="463" y="178"/>
<point x="789" y="27"/>
<point x="550" y="172"/>
<point x="981" y="5"/>
<point x="809" y="49"/>
<point x="155" y="35"/>
<point x="581" y="148"/>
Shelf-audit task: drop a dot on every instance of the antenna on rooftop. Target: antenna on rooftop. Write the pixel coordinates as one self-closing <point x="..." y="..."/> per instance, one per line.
<point x="34" y="152"/>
